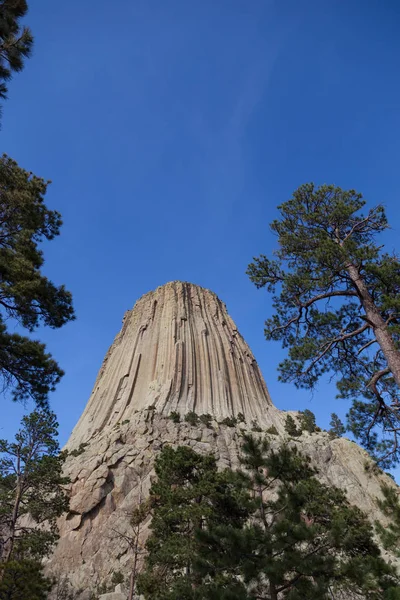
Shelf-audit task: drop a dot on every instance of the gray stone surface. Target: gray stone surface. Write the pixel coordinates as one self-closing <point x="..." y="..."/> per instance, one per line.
<point x="178" y="350"/>
<point x="173" y="353"/>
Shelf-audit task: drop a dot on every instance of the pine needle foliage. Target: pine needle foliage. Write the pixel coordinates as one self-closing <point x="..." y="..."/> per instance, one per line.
<point x="31" y="489"/>
<point x="336" y="301"/>
<point x="271" y="531"/>
<point x="189" y="495"/>
<point x="23" y="580"/>
<point x="337" y="428"/>
<point x="16" y="41"/>
<point x="291" y="427"/>
<point x="192" y="418"/>
<point x="27" y="297"/>
<point x="390" y="506"/>
<point x="307" y="421"/>
<point x="305" y="540"/>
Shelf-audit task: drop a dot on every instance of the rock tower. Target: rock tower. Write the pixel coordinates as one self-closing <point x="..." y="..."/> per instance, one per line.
<point x="178" y="351"/>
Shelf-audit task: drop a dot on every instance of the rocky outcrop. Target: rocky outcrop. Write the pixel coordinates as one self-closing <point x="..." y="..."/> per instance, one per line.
<point x="116" y="468"/>
<point x="178" y="350"/>
<point x="118" y="594"/>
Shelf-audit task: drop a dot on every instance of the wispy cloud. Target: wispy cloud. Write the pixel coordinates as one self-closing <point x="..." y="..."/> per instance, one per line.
<point x="223" y="153"/>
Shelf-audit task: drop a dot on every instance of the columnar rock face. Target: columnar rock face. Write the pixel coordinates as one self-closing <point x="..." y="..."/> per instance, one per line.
<point x="178" y="350"/>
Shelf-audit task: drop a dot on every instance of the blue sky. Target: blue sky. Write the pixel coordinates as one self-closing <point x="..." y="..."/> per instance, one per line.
<point x="172" y="130"/>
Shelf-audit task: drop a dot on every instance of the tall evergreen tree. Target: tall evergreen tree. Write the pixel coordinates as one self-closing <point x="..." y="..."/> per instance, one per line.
<point x="26" y="295"/>
<point x="132" y="538"/>
<point x="390" y="506"/>
<point x="337" y="307"/>
<point x="307" y="421"/>
<point x="23" y="580"/>
<point x="291" y="427"/>
<point x="189" y="495"/>
<point x="337" y="428"/>
<point x="15" y="41"/>
<point x="305" y="540"/>
<point x="31" y="490"/>
<point x="289" y="537"/>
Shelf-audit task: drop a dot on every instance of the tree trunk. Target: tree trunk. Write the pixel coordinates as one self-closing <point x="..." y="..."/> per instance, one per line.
<point x="132" y="581"/>
<point x="272" y="591"/>
<point x="9" y="544"/>
<point x="383" y="337"/>
<point x="132" y="584"/>
<point x="262" y="508"/>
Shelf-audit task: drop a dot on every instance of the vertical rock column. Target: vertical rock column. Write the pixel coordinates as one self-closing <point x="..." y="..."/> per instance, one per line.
<point x="178" y="350"/>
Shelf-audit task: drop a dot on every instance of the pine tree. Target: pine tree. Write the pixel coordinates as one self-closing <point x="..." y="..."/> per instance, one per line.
<point x="15" y="41"/>
<point x="189" y="495"/>
<point x="337" y="304"/>
<point x="23" y="580"/>
<point x="132" y="537"/>
<point x="26" y="295"/>
<point x="303" y="540"/>
<point x="307" y="421"/>
<point x="291" y="427"/>
<point x="270" y="532"/>
<point x="31" y="484"/>
<point x="390" y="506"/>
<point x="337" y="428"/>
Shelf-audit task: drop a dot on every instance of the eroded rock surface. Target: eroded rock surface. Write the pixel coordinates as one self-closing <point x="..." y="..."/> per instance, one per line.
<point x="116" y="468"/>
<point x="178" y="350"/>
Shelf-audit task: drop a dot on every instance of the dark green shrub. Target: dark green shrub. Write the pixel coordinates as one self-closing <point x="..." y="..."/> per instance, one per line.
<point x="79" y="450"/>
<point x="229" y="421"/>
<point x="337" y="428"/>
<point x="174" y="416"/>
<point x="255" y="426"/>
<point x="272" y="430"/>
<point x="290" y="427"/>
<point x="307" y="421"/>
<point x="206" y="419"/>
<point x="23" y="580"/>
<point x="117" y="578"/>
<point x="192" y="418"/>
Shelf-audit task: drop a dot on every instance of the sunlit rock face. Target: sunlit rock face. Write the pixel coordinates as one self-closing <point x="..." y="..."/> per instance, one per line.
<point x="178" y="350"/>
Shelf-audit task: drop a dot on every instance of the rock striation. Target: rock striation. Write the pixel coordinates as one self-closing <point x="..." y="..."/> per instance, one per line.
<point x="178" y="350"/>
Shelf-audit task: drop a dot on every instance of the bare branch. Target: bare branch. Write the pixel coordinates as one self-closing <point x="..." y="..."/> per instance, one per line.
<point x="305" y="305"/>
<point x="333" y="342"/>
<point x="328" y="295"/>
<point x="367" y="345"/>
<point x="372" y="384"/>
<point x="357" y="226"/>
